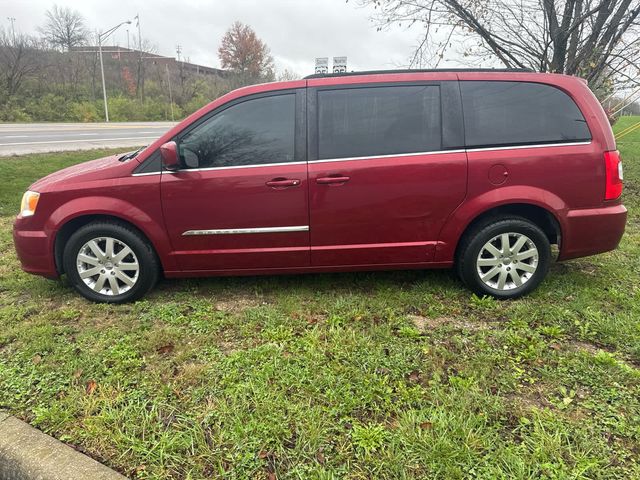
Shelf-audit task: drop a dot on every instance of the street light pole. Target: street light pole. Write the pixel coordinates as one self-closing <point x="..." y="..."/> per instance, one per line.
<point x="104" y="87"/>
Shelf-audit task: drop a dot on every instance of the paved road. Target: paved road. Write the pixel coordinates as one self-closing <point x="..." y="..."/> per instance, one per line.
<point x="18" y="139"/>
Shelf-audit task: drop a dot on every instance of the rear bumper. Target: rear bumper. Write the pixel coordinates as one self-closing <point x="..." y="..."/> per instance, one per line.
<point x="591" y="231"/>
<point x="34" y="251"/>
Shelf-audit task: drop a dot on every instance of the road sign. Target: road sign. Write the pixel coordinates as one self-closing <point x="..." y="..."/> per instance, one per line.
<point x="339" y="64"/>
<point x="322" y="65"/>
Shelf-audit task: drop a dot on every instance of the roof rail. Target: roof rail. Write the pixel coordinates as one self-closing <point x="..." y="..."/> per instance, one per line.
<point x="376" y="72"/>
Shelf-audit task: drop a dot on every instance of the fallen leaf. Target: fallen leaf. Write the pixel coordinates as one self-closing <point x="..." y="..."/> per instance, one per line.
<point x="36" y="359"/>
<point x="413" y="376"/>
<point x="168" y="348"/>
<point x="263" y="454"/>
<point x="272" y="476"/>
<point x="77" y="374"/>
<point x="91" y="387"/>
<point x="426" y="425"/>
<point x="320" y="457"/>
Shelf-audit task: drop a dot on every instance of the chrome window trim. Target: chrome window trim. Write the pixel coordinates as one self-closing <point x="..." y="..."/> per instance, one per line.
<point x="540" y="145"/>
<point x="441" y="152"/>
<point x="280" y="164"/>
<point x="240" y="231"/>
<point x="393" y="155"/>
<point x="346" y="159"/>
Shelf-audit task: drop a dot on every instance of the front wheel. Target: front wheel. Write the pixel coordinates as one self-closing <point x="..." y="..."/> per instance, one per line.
<point x="504" y="258"/>
<point x="110" y="262"/>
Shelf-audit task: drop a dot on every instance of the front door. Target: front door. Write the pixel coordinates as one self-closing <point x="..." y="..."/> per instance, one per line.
<point x="241" y="200"/>
<point x="384" y="172"/>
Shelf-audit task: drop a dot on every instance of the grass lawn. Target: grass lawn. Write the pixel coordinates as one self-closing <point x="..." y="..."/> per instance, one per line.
<point x="367" y="375"/>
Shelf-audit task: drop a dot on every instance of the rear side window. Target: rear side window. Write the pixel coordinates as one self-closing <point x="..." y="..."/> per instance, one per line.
<point x="519" y="113"/>
<point x="372" y="121"/>
<point x="253" y="132"/>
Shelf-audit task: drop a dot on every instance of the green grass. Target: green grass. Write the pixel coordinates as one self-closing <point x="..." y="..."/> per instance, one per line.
<point x="363" y="375"/>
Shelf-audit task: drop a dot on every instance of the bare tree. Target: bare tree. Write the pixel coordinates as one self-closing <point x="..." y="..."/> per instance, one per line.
<point x="596" y="39"/>
<point x="242" y="52"/>
<point x="18" y="60"/>
<point x="64" y="28"/>
<point x="287" y="75"/>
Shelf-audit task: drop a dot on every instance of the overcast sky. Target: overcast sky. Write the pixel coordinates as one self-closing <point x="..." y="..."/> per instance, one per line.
<point x="297" y="31"/>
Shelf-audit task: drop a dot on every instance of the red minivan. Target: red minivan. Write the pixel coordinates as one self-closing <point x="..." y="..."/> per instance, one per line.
<point x="473" y="169"/>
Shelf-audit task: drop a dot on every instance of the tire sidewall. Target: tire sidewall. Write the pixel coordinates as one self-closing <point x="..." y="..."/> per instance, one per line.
<point x="536" y="235"/>
<point x="147" y="275"/>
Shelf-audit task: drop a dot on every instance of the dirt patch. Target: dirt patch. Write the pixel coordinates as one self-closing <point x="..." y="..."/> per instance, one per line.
<point x="586" y="347"/>
<point x="238" y="304"/>
<point x="226" y="348"/>
<point x="529" y="399"/>
<point x="592" y="349"/>
<point x="424" y="324"/>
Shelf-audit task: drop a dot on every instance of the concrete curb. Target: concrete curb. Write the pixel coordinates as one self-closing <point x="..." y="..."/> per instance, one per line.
<point x="28" y="454"/>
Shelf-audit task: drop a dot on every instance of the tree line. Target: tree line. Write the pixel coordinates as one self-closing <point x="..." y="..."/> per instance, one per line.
<point x="54" y="75"/>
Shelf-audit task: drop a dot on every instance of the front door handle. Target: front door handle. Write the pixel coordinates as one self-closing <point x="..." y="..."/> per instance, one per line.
<point x="283" y="182"/>
<point x="332" y="179"/>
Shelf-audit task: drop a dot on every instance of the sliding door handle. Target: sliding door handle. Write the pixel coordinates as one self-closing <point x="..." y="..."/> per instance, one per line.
<point x="283" y="182"/>
<point x="332" y="180"/>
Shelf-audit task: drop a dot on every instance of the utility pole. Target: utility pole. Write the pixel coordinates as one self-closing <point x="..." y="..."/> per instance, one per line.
<point x="128" y="46"/>
<point x="13" y="28"/>
<point x="140" y="85"/>
<point x="166" y="65"/>
<point x="178" y="50"/>
<point x="104" y="88"/>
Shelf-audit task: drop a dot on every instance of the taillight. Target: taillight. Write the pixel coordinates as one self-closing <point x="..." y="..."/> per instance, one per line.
<point x="613" y="170"/>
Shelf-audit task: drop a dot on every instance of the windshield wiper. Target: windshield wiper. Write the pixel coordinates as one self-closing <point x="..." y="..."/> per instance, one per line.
<point x="130" y="155"/>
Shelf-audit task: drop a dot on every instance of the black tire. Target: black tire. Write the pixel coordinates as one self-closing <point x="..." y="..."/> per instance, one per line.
<point x="475" y="240"/>
<point x="144" y="255"/>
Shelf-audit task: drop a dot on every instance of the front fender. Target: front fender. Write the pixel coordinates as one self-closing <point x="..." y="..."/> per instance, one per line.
<point x="472" y="208"/>
<point x="153" y="228"/>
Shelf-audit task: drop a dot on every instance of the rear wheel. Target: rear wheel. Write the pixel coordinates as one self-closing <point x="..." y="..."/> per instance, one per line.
<point x="504" y="258"/>
<point x="110" y="262"/>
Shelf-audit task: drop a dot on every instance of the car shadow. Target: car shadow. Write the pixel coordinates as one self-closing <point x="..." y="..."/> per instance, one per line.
<point x="315" y="283"/>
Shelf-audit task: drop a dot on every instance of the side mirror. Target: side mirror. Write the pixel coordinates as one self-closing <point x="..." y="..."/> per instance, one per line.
<point x="169" y="155"/>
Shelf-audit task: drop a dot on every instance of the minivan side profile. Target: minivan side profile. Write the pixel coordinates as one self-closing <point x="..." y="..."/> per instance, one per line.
<point x="473" y="169"/>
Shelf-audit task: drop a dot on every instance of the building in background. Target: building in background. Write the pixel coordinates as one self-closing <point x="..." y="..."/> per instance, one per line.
<point x="129" y="54"/>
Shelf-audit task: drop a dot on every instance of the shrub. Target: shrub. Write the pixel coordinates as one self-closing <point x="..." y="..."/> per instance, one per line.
<point x="86" y="112"/>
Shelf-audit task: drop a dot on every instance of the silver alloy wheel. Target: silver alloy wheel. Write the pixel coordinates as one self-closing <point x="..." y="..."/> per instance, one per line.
<point x="507" y="261"/>
<point x="108" y="266"/>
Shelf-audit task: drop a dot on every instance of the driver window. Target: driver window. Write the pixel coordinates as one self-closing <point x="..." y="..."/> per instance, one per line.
<point x="254" y="132"/>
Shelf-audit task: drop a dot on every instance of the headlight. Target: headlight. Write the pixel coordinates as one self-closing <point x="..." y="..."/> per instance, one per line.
<point x="29" y="203"/>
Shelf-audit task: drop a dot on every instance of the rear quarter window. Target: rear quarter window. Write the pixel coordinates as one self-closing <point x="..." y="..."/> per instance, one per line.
<point x="519" y="113"/>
